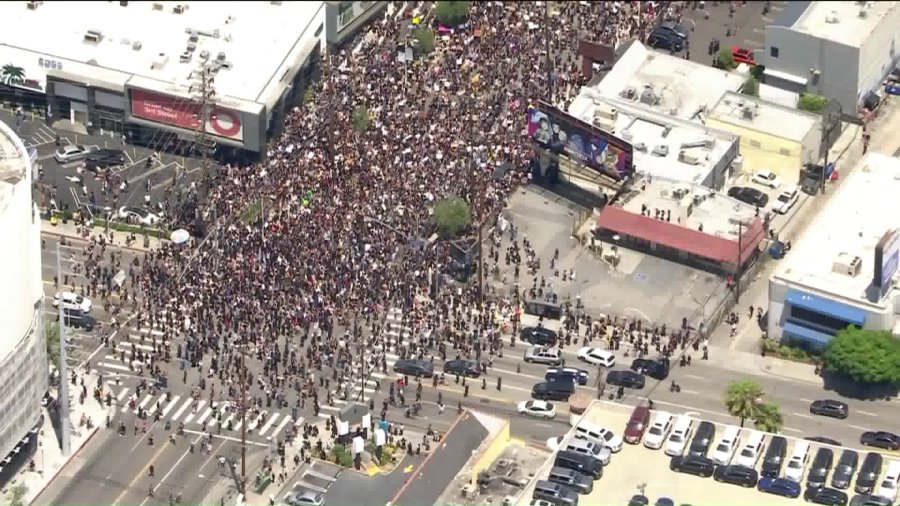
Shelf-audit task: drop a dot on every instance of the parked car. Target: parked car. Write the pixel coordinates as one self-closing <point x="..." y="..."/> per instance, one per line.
<point x="658" y="431"/>
<point x="463" y="367"/>
<point x="869" y="500"/>
<point x="138" y="215"/>
<point x="880" y="439"/>
<point x="681" y="433"/>
<point x="779" y="486"/>
<point x="575" y="374"/>
<point x="774" y="459"/>
<point x="703" y="438"/>
<point x="869" y="473"/>
<point x="751" y="451"/>
<point x="820" y="467"/>
<point x="698" y="466"/>
<point x="742" y="55"/>
<point x="673" y="28"/>
<point x="737" y="475"/>
<point x="786" y="200"/>
<point x="581" y="483"/>
<point x="598" y="434"/>
<point x="538" y="409"/>
<point x="627" y="379"/>
<point x="845" y="469"/>
<point x="750" y="196"/>
<point x="555" y="493"/>
<point x="540" y="336"/>
<point x="657" y="369"/>
<point x="830" y="407"/>
<point x="766" y="178"/>
<point x="825" y="495"/>
<point x="541" y="355"/>
<point x="637" y="423"/>
<point x="414" y="367"/>
<point x="104" y="158"/>
<point x="726" y="446"/>
<point x="597" y="356"/>
<point x="305" y="497"/>
<point x="72" y="153"/>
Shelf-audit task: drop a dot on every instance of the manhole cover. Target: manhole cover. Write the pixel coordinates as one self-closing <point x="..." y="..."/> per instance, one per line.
<point x="640" y="277"/>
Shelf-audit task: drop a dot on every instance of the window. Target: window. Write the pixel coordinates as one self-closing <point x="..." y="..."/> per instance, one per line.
<point x="319" y="30"/>
<point x="754" y="143"/>
<point x="345" y="15"/>
<point x="773" y="51"/>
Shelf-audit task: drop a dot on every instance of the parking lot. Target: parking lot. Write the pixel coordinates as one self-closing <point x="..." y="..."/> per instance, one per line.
<point x="637" y="469"/>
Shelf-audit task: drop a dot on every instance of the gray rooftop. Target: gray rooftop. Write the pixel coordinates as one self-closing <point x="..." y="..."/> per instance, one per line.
<point x="849" y="23"/>
<point x="768" y="117"/>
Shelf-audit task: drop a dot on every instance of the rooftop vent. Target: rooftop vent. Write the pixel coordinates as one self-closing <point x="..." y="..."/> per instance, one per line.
<point x="863" y="13"/>
<point x="661" y="150"/>
<point x="33" y="5"/>
<point x="629" y="93"/>
<point x="847" y="264"/>
<point x="136" y="45"/>
<point x="159" y="62"/>
<point x="186" y="57"/>
<point x="157" y="6"/>
<point x="220" y="56"/>
<point x="94" y="36"/>
<point x="832" y="18"/>
<point x="749" y="112"/>
<point x="179" y="9"/>
<point x="642" y="147"/>
<point x="688" y="158"/>
<point x="123" y="3"/>
<point x="648" y="96"/>
<point x="275" y="2"/>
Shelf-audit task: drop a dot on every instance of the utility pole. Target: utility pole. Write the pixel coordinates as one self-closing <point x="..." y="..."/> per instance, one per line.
<point x="547" y="47"/>
<point x="243" y="408"/>
<point x="737" y="267"/>
<point x="64" y="417"/>
<point x="203" y="93"/>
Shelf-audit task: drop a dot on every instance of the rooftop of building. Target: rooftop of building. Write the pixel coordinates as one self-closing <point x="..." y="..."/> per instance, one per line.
<point x="665" y="147"/>
<point x="862" y="210"/>
<point x="12" y="163"/>
<point x="849" y="23"/>
<point x="769" y="117"/>
<point x="258" y="42"/>
<point x="681" y="88"/>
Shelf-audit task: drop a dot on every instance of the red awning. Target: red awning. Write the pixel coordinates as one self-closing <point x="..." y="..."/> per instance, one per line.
<point x="673" y="235"/>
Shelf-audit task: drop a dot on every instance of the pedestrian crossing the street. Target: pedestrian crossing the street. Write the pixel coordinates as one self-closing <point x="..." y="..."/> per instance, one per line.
<point x="130" y="342"/>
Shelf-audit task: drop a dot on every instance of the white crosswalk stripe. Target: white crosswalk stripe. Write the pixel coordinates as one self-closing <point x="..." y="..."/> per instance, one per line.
<point x="196" y="409"/>
<point x="145" y="401"/>
<point x="204" y="416"/>
<point x="170" y="405"/>
<point x="122" y="394"/>
<point x="280" y="427"/>
<point x="268" y="424"/>
<point x="187" y="404"/>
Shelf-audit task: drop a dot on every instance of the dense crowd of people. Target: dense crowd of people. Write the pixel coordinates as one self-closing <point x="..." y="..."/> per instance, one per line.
<point x="300" y="286"/>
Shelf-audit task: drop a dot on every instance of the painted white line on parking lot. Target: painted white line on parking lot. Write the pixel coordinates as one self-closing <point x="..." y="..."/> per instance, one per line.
<point x="866" y="413"/>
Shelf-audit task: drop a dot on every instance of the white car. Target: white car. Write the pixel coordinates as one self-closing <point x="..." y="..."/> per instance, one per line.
<point x="726" y="446"/>
<point x="786" y="200"/>
<point x="71" y="153"/>
<point x="767" y="178"/>
<point x="539" y="409"/>
<point x="658" y="430"/>
<point x="73" y="301"/>
<point x="751" y="451"/>
<point x="138" y="215"/>
<point x="597" y="356"/>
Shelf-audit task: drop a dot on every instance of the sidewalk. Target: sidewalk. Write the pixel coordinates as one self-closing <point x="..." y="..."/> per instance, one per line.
<point x="755" y="363"/>
<point x="48" y="458"/>
<point x="116" y="238"/>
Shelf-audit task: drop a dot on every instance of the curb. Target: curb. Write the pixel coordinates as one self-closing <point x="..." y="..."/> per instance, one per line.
<point x="70" y="459"/>
<point x="82" y="239"/>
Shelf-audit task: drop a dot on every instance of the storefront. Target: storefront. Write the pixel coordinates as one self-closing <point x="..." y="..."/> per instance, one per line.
<point x="810" y="321"/>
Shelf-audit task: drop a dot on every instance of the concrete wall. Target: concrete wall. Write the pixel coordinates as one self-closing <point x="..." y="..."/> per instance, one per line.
<point x="494" y="448"/>
<point x="880" y="52"/>
<point x="761" y="150"/>
<point x="838" y="64"/>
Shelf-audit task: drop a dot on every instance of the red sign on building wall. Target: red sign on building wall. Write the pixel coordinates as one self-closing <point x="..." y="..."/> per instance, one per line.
<point x="184" y="113"/>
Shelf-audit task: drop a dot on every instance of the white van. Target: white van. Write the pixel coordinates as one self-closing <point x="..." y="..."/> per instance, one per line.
<point x="681" y="434"/>
<point x="600" y="435"/>
<point x="658" y="430"/>
<point x="891" y="481"/>
<point x="797" y="463"/>
<point x="726" y="446"/>
<point x="72" y="301"/>
<point x="751" y="451"/>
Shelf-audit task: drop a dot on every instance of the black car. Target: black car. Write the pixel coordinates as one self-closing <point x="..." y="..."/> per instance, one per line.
<point x="657" y="369"/>
<point x="820" y="467"/>
<point x="575" y="374"/>
<point x="829" y="407"/>
<point x="869" y="473"/>
<point x="553" y="390"/>
<point x="673" y="28"/>
<point x="749" y="195"/>
<point x="414" y="367"/>
<point x="774" y="458"/>
<point x="698" y="466"/>
<point x="737" y="475"/>
<point x="880" y="439"/>
<point x="845" y="469"/>
<point x="463" y="367"/>
<point x="105" y="158"/>
<point x="628" y="379"/>
<point x="703" y="438"/>
<point x="869" y="500"/>
<point x="825" y="495"/>
<point x="539" y="336"/>
<point x="78" y="319"/>
<point x="825" y="440"/>
<point x="661" y="39"/>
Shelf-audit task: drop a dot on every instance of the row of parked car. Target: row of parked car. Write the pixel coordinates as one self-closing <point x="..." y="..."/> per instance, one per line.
<point x="695" y="450"/>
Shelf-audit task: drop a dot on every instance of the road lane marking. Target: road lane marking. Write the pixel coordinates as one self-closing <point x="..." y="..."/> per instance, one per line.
<point x="172" y="469"/>
<point x="804" y="415"/>
<point x="265" y="428"/>
<point x="170" y="405"/>
<point x="110" y="365"/>
<point x="255" y="422"/>
<point x="788" y="429"/>
<point x="693" y="376"/>
<point x="187" y="404"/>
<point x="866" y="413"/>
<point x="280" y="428"/>
<point x="145" y="401"/>
<point x="194" y="411"/>
<point x="122" y="394"/>
<point x="204" y="416"/>
<point x="227" y="438"/>
<point x="142" y="473"/>
<point x="807" y="400"/>
<point x="857" y="427"/>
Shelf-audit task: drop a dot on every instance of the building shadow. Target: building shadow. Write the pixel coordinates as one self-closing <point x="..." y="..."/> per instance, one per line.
<point x="847" y="387"/>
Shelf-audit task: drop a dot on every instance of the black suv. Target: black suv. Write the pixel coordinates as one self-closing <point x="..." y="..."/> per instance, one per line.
<point x="663" y="39"/>
<point x="749" y="195"/>
<point x="575" y="374"/>
<point x="104" y="158"/>
<point x="657" y="369"/>
<point x="825" y="495"/>
<point x="698" y="466"/>
<point x="629" y="379"/>
<point x="539" y="336"/>
<point x="418" y="368"/>
<point x="463" y="367"/>
<point x="78" y="319"/>
<point x="737" y="475"/>
<point x="829" y="407"/>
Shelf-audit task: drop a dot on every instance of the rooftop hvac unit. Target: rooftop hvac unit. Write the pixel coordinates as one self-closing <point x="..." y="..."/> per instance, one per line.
<point x="275" y="2"/>
<point x="157" y="6"/>
<point x="642" y="147"/>
<point x="159" y="62"/>
<point x="606" y="126"/>
<point x="661" y="150"/>
<point x="863" y="14"/>
<point x="627" y="135"/>
<point x="123" y="3"/>
<point x="179" y="9"/>
<point x="688" y="158"/>
<point x="847" y="264"/>
<point x="832" y="19"/>
<point x="606" y="112"/>
<point x="136" y="45"/>
<point x="748" y="112"/>
<point x="191" y="46"/>
<point x="702" y="143"/>
<point x="94" y="36"/>
<point x="185" y="57"/>
<point x="34" y="5"/>
<point x="648" y="96"/>
<point x="220" y="56"/>
<point x="629" y="93"/>
<point x="204" y="54"/>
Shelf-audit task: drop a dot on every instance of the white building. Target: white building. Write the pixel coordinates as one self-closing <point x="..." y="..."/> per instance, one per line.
<point x="841" y="271"/>
<point x="840" y="50"/>
<point x="135" y="67"/>
<point x="23" y="355"/>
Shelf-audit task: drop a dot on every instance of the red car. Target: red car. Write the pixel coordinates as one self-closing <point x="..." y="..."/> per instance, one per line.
<point x="637" y="424"/>
<point x="742" y="55"/>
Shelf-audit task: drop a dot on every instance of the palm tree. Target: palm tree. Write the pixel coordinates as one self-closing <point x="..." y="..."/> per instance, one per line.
<point x="51" y="336"/>
<point x="12" y="74"/>
<point x="768" y="418"/>
<point x="742" y="398"/>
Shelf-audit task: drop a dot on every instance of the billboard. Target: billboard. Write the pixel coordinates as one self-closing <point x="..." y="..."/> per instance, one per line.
<point x="562" y="133"/>
<point x="887" y="255"/>
<point x="184" y="113"/>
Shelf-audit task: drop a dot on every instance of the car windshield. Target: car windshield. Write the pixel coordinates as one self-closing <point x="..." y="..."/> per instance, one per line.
<point x="888" y="484"/>
<point x="723" y="447"/>
<point x="746" y="452"/>
<point x="676" y="438"/>
<point x="79" y="299"/>
<point x="656" y="430"/>
<point x="794" y="464"/>
<point x="608" y="436"/>
<point x="784" y="197"/>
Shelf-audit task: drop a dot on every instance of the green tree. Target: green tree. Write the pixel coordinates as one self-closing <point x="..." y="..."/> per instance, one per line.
<point x="866" y="356"/>
<point x="742" y="399"/>
<point x="361" y="118"/>
<point x="51" y="336"/>
<point x="768" y="418"/>
<point x="726" y="59"/>
<point x="812" y="103"/>
<point x="17" y="495"/>
<point x="425" y="39"/>
<point x="452" y="13"/>
<point x="451" y="216"/>
<point x="751" y="87"/>
<point x="11" y="74"/>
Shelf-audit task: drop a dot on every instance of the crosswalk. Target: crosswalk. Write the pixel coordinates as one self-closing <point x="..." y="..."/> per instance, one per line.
<point x="131" y="342"/>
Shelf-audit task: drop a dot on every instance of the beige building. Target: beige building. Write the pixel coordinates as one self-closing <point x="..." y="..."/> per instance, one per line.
<point x="773" y="137"/>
